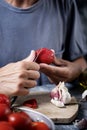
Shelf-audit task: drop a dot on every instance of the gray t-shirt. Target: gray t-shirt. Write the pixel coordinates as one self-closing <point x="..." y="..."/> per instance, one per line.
<point x="48" y="23"/>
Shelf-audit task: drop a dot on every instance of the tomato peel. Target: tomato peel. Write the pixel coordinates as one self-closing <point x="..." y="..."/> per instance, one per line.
<point x="32" y="103"/>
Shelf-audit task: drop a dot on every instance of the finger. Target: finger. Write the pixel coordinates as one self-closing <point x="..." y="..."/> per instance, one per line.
<point x="31" y="57"/>
<point x="53" y="70"/>
<point x="32" y="74"/>
<point x="23" y="87"/>
<point x="56" y="79"/>
<point x="22" y="92"/>
<point x="28" y="83"/>
<point x="60" y="62"/>
<point x="53" y="51"/>
<point x="29" y="74"/>
<point x="30" y="65"/>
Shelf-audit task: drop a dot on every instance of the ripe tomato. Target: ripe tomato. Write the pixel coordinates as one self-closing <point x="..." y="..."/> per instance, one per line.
<point x="5" y="126"/>
<point x="19" y="120"/>
<point x="32" y="103"/>
<point x="4" y="111"/>
<point x="39" y="126"/>
<point x="44" y="55"/>
<point x="4" y="99"/>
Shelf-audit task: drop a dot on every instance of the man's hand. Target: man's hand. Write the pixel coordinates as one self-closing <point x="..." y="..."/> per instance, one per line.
<point x="16" y="78"/>
<point x="63" y="70"/>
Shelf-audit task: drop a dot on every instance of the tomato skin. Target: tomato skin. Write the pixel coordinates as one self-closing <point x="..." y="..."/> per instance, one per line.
<point x="4" y="112"/>
<point x="19" y="120"/>
<point x="4" y="99"/>
<point x="44" y="55"/>
<point x="5" y="126"/>
<point x="32" y="103"/>
<point x="39" y="126"/>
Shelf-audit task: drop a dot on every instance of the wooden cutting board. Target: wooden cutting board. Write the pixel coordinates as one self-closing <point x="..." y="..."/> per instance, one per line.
<point x="58" y="115"/>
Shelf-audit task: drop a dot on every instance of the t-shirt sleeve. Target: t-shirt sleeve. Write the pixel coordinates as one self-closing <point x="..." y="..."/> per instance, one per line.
<point x="75" y="39"/>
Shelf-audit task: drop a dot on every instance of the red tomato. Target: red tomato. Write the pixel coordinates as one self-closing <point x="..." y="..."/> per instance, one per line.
<point x="19" y="120"/>
<point x="44" y="55"/>
<point x="4" y="111"/>
<point x="5" y="126"/>
<point x="4" y="99"/>
<point x="32" y="103"/>
<point x="39" y="126"/>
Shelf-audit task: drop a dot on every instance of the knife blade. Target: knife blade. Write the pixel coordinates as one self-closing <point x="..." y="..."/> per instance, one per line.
<point x="36" y="57"/>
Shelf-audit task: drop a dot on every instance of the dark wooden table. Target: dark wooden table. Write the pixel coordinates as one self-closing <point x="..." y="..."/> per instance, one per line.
<point x="76" y="91"/>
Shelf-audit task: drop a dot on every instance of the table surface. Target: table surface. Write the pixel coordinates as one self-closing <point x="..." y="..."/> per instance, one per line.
<point x="76" y="91"/>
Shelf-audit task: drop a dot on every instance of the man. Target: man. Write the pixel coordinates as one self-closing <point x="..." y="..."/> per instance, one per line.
<point x="31" y="24"/>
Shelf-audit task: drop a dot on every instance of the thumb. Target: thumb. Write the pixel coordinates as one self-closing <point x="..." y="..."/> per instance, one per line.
<point x="31" y="57"/>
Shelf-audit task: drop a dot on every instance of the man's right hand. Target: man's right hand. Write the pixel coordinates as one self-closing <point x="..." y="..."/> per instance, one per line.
<point x="17" y="78"/>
